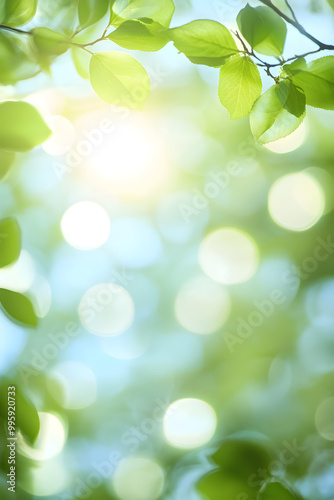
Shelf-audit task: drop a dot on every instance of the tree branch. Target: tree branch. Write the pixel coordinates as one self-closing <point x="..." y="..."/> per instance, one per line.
<point x="15" y="30"/>
<point x="297" y="25"/>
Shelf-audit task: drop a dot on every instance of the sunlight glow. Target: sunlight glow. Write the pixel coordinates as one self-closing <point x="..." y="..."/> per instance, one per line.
<point x="131" y="160"/>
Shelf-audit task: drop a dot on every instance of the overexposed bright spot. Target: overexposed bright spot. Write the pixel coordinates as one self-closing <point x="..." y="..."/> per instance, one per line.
<point x="202" y="306"/>
<point x="62" y="138"/>
<point x="85" y="225"/>
<point x="134" y="242"/>
<point x="41" y="295"/>
<point x="45" y="479"/>
<point x="50" y="440"/>
<point x="296" y="201"/>
<point x="289" y="143"/>
<point x="228" y="256"/>
<point x="74" y="385"/>
<point x="106" y="309"/>
<point x="20" y="275"/>
<point x="324" y="420"/>
<point x="189" y="423"/>
<point x="138" y="478"/>
<point x="131" y="160"/>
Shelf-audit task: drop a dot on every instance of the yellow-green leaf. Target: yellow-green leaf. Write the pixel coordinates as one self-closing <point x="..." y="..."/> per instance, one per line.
<point x="204" y="42"/>
<point x="239" y="85"/>
<point x="6" y="161"/>
<point x="10" y="241"/>
<point x="19" y="12"/>
<point x="119" y="79"/>
<point x="278" y="112"/>
<point x="316" y="79"/>
<point x="48" y="42"/>
<point x="160" y="11"/>
<point x="22" y="127"/>
<point x="263" y="29"/>
<point x="135" y="35"/>
<point x="18" y="307"/>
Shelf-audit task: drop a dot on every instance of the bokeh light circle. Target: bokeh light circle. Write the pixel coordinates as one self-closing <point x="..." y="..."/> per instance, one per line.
<point x="229" y="256"/>
<point x="50" y="440"/>
<point x="324" y="421"/>
<point x="44" y="479"/>
<point x="85" y="225"/>
<point x="189" y="423"/>
<point x="138" y="478"/>
<point x="202" y="306"/>
<point x="106" y="309"/>
<point x="296" y="201"/>
<point x="288" y="143"/>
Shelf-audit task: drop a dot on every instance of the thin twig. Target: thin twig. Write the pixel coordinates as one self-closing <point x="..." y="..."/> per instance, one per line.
<point x="291" y="10"/>
<point x="15" y="30"/>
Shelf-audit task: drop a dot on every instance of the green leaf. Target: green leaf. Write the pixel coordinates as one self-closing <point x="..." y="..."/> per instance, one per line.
<point x="6" y="161"/>
<point x="204" y="42"/>
<point x="22" y="127"/>
<point x="16" y="62"/>
<point x="48" y="42"/>
<point x="331" y="3"/>
<point x="275" y="490"/>
<point x="10" y="241"/>
<point x="19" y="12"/>
<point x="316" y="79"/>
<point x="239" y="86"/>
<point x="18" y="307"/>
<point x="263" y="29"/>
<point x="27" y="418"/>
<point x="242" y="457"/>
<point x="81" y="60"/>
<point x="278" y="112"/>
<point x="119" y="79"/>
<point x="91" y="11"/>
<point x="218" y="485"/>
<point x="160" y="11"/>
<point x="134" y="35"/>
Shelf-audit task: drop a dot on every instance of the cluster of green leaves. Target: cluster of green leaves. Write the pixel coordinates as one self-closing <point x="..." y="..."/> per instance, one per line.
<point x="17" y="306"/>
<point x="243" y="471"/>
<point x="21" y="129"/>
<point x="144" y="25"/>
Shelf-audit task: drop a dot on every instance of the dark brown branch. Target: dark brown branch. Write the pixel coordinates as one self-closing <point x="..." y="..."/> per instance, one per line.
<point x="298" y="26"/>
<point x="15" y="30"/>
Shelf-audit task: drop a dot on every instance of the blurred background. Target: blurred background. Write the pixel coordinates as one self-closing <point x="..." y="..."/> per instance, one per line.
<point x="183" y="275"/>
